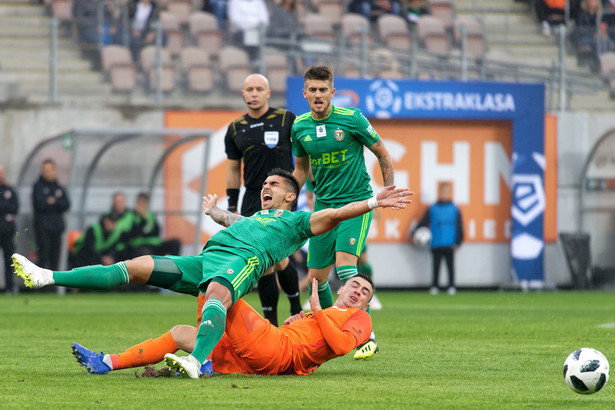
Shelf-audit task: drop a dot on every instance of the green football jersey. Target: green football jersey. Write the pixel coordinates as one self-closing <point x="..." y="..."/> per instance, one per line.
<point x="271" y="234"/>
<point x="335" y="148"/>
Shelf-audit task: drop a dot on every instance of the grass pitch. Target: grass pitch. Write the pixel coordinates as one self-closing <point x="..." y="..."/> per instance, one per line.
<point x="491" y="350"/>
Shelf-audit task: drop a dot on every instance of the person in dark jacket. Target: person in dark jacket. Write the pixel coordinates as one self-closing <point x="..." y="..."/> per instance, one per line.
<point x="9" y="204"/>
<point x="444" y="221"/>
<point x="49" y="202"/>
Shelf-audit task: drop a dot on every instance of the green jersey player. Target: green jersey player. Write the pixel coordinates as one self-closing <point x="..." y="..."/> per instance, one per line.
<point x="231" y="263"/>
<point x="331" y="141"/>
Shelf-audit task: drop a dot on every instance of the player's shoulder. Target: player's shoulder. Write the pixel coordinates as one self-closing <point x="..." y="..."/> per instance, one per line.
<point x="346" y="111"/>
<point x="303" y="117"/>
<point x="239" y="121"/>
<point x="281" y="111"/>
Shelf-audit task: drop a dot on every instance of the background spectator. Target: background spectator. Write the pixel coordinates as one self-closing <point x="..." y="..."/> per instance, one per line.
<point x="548" y="11"/>
<point x="415" y="8"/>
<point x="283" y="19"/>
<point x="9" y="205"/>
<point x="585" y="33"/>
<point x="244" y="18"/>
<point x="101" y="244"/>
<point x="372" y="9"/>
<point x="49" y="201"/>
<point x="141" y="16"/>
<point x="219" y="9"/>
<point x="444" y="221"/>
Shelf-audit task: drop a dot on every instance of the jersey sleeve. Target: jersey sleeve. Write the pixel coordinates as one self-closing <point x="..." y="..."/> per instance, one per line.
<point x="302" y="222"/>
<point x="298" y="150"/>
<point x="232" y="152"/>
<point x="364" y="132"/>
<point x="356" y="330"/>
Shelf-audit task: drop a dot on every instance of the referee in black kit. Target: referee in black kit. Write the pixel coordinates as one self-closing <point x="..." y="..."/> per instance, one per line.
<point x="261" y="138"/>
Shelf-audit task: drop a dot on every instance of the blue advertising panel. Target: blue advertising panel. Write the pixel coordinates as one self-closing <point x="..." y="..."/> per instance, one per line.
<point x="522" y="104"/>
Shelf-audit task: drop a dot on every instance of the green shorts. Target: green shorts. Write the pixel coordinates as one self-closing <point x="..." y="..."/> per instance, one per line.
<point x="238" y="271"/>
<point x="349" y="236"/>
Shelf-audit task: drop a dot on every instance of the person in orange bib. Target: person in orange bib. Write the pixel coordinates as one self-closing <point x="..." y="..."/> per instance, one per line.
<point x="252" y="345"/>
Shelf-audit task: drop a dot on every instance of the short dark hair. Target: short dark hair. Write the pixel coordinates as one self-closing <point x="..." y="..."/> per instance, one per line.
<point x="318" y="72"/>
<point x="291" y="181"/>
<point x="368" y="279"/>
<point x="48" y="161"/>
<point x="143" y="195"/>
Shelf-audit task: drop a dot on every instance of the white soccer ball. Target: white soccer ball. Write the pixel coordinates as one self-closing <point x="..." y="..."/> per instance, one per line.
<point x="422" y="237"/>
<point x="586" y="370"/>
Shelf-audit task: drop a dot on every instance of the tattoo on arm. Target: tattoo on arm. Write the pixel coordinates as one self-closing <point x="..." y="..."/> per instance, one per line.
<point x="388" y="175"/>
<point x="223" y="217"/>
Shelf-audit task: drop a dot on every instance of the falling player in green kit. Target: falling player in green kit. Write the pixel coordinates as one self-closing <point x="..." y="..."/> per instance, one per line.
<point x="331" y="140"/>
<point x="230" y="264"/>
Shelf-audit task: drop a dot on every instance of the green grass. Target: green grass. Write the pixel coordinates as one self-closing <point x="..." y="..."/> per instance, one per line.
<point x="474" y="350"/>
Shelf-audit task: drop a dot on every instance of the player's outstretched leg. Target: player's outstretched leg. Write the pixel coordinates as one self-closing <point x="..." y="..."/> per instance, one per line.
<point x="187" y="366"/>
<point x="93" y="362"/>
<point x="33" y="276"/>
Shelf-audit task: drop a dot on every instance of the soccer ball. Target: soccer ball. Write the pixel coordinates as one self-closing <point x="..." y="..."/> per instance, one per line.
<point x="422" y="237"/>
<point x="586" y="370"/>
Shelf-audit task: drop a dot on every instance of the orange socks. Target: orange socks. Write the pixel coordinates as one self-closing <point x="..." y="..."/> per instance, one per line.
<point x="148" y="352"/>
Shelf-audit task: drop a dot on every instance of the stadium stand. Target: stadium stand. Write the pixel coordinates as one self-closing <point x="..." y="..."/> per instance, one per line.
<point x="432" y="35"/>
<point x="475" y="40"/>
<point x="197" y="70"/>
<point x="443" y="10"/>
<point x="352" y="26"/>
<point x="119" y="68"/>
<point x="174" y="33"/>
<point x="507" y="28"/>
<point x="393" y="32"/>
<point x="332" y="9"/>
<point x="234" y="66"/>
<point x="147" y="62"/>
<point x="205" y="33"/>
<point x="276" y="70"/>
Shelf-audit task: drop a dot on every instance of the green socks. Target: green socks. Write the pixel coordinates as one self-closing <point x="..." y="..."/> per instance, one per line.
<point x="211" y="329"/>
<point x="97" y="277"/>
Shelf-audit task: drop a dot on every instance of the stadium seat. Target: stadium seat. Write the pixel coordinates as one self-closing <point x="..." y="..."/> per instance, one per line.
<point x="432" y="35"/>
<point x="318" y="26"/>
<point x="147" y="61"/>
<point x="352" y="26"/>
<point x="234" y="65"/>
<point x="277" y="70"/>
<point x="332" y="9"/>
<point x="475" y="40"/>
<point x="172" y="29"/>
<point x="204" y="31"/>
<point x="181" y="9"/>
<point x="196" y="69"/>
<point x="118" y="67"/>
<point x="443" y="10"/>
<point x="393" y="32"/>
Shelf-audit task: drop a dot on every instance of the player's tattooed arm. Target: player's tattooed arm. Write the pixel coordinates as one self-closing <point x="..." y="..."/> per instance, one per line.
<point x="385" y="161"/>
<point x="219" y="215"/>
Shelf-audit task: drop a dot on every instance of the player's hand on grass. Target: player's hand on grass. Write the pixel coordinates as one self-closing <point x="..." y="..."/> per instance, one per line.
<point x="392" y="197"/>
<point x="314" y="299"/>
<point x="209" y="201"/>
<point x="292" y="318"/>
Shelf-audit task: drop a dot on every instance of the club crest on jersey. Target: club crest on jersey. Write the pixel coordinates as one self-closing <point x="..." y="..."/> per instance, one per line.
<point x="352" y="241"/>
<point x="321" y="131"/>
<point x="272" y="138"/>
<point x="278" y="212"/>
<point x="230" y="271"/>
<point x="339" y="135"/>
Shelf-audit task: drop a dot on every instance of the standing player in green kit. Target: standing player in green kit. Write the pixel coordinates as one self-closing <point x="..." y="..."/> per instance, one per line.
<point x="331" y="140"/>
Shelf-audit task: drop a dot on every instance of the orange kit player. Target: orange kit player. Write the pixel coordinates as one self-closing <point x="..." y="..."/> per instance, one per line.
<point x="252" y="345"/>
